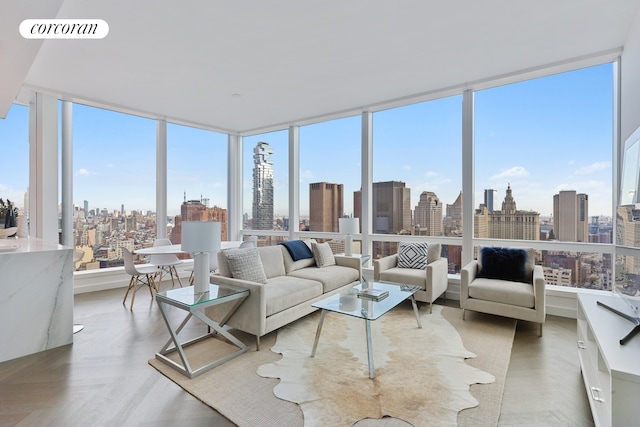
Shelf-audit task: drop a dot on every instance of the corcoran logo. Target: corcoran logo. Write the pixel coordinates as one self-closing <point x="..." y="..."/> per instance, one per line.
<point x="64" y="29"/>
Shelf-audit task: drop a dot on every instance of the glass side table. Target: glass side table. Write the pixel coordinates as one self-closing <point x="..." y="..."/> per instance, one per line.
<point x="195" y="303"/>
<point x="363" y="258"/>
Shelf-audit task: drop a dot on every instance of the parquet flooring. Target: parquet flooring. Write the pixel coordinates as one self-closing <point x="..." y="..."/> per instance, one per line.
<point x="103" y="378"/>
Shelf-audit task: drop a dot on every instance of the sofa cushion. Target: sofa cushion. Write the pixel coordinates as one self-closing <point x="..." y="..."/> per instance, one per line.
<point x="271" y="257"/>
<point x="331" y="277"/>
<point x="323" y="254"/>
<point x="283" y="292"/>
<point x="503" y="263"/>
<point x="413" y="255"/>
<point x="405" y="276"/>
<point x="502" y="291"/>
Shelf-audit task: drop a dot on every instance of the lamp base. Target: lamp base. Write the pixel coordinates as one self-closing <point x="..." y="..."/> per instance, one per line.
<point x="201" y="272"/>
<point x="348" y="245"/>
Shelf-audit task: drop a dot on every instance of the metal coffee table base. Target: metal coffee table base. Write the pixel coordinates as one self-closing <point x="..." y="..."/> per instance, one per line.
<point x="367" y="325"/>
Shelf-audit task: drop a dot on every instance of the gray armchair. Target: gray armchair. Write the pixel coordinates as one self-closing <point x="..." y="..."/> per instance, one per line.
<point x="523" y="300"/>
<point x="433" y="279"/>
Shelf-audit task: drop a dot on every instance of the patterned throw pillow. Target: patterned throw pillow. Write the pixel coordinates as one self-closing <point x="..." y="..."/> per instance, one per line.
<point x="413" y="255"/>
<point x="323" y="254"/>
<point x="245" y="264"/>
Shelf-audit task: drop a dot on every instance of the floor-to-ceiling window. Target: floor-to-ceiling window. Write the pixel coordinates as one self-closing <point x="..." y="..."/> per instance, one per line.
<point x="196" y="178"/>
<point x="265" y="184"/>
<point x="14" y="161"/>
<point x="114" y="182"/>
<point x="330" y="172"/>
<point x="417" y="174"/>
<point x="543" y="170"/>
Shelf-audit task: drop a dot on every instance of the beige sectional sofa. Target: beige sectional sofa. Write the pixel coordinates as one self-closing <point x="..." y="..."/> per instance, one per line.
<point x="290" y="288"/>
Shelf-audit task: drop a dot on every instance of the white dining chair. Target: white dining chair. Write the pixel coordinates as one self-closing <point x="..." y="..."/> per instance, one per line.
<point x="166" y="263"/>
<point x="141" y="275"/>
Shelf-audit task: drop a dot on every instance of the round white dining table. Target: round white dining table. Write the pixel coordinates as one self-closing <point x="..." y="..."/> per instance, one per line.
<point x="177" y="249"/>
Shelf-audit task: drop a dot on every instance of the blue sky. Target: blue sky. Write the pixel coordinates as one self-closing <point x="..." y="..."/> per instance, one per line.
<point x="540" y="136"/>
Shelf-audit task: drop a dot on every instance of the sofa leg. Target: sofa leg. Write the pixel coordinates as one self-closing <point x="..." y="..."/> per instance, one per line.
<point x="463" y="313"/>
<point x="430" y="308"/>
<point x="257" y="343"/>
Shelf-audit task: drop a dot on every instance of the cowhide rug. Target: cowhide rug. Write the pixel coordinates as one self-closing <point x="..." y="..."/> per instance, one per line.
<point x="420" y="374"/>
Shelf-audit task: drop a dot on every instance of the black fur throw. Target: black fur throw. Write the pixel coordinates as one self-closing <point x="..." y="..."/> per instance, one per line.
<point x="504" y="264"/>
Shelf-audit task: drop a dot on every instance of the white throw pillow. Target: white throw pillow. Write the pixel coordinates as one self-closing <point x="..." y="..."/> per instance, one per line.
<point x="413" y="255"/>
<point x="245" y="264"/>
<point x="322" y="254"/>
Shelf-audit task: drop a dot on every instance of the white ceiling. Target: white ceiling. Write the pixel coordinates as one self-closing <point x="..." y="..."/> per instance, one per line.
<point x="292" y="60"/>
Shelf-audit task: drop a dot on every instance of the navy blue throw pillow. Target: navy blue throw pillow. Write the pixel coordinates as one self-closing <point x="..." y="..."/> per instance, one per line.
<point x="504" y="264"/>
<point x="298" y="249"/>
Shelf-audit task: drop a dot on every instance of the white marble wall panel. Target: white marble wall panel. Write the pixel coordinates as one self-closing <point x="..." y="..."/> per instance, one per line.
<point x="36" y="297"/>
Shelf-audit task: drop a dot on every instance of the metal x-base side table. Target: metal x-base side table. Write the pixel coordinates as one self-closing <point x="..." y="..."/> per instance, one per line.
<point x="195" y="303"/>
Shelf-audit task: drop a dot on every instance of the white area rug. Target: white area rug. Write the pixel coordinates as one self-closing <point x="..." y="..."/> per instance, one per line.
<point x="420" y="374"/>
<point x="240" y="394"/>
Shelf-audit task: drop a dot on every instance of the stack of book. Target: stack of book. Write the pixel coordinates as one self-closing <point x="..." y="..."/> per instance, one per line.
<point x="373" y="294"/>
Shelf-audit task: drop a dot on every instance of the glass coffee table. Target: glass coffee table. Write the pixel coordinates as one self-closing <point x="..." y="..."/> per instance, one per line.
<point x="195" y="303"/>
<point x="348" y="302"/>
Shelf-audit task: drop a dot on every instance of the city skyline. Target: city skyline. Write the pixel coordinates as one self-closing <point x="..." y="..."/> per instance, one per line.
<point x="559" y="139"/>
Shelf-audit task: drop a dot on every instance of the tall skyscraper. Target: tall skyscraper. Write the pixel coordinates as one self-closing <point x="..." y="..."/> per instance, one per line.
<point x="481" y="222"/>
<point x="571" y="216"/>
<point x="489" y="196"/>
<point x="86" y="209"/>
<point x="326" y="205"/>
<point x="453" y="218"/>
<point x="428" y="214"/>
<point x="510" y="223"/>
<point x="391" y="207"/>
<point x="262" y="187"/>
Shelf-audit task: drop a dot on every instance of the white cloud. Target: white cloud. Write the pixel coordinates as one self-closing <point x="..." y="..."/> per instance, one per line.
<point x="306" y="175"/>
<point x="431" y="173"/>
<point x="516" y="171"/>
<point x="85" y="172"/>
<point x="594" y="167"/>
<point x="406" y="167"/>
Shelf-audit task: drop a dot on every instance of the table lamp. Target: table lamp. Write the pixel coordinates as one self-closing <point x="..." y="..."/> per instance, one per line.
<point x="349" y="227"/>
<point x="201" y="238"/>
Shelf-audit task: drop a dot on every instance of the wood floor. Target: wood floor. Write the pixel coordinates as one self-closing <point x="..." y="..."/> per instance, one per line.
<point x="103" y="378"/>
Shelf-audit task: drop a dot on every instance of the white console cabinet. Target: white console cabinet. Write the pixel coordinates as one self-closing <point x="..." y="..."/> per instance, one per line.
<point x="611" y="371"/>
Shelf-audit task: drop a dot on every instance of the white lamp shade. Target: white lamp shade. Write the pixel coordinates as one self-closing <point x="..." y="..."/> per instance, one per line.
<point x="349" y="225"/>
<point x="200" y="236"/>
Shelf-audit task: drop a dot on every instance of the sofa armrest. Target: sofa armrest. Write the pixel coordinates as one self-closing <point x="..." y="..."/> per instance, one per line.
<point x="251" y="315"/>
<point x="539" y="293"/>
<point x="349" y="261"/>
<point x="467" y="275"/>
<point x="382" y="264"/>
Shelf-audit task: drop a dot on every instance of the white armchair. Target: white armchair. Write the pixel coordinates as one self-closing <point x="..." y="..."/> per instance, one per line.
<point x="523" y="300"/>
<point x="433" y="279"/>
